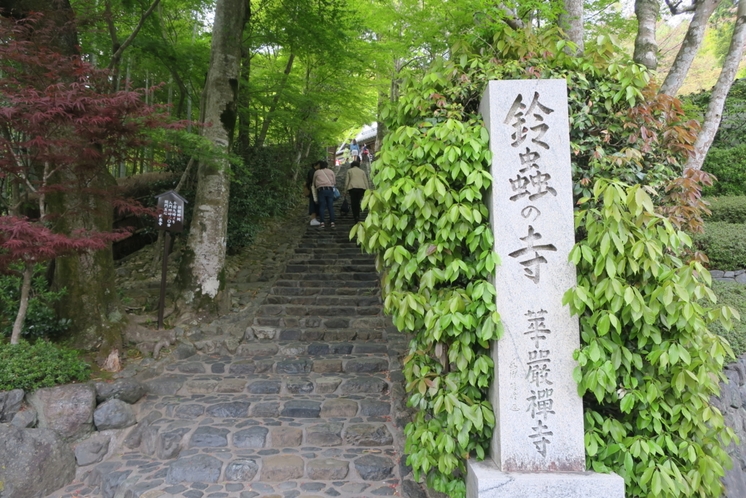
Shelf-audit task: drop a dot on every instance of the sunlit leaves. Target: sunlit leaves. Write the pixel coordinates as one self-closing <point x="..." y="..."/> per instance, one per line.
<point x="647" y="360"/>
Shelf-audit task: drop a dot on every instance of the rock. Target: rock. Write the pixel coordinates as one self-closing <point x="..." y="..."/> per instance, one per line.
<point x="114" y="414"/>
<point x="209" y="437"/>
<point x="25" y="418"/>
<point x="33" y="462"/>
<point x="301" y="408"/>
<point x="128" y="390"/>
<point x="327" y="469"/>
<point x="253" y="437"/>
<point x="10" y="403"/>
<point x="374" y="467"/>
<point x="234" y="409"/>
<point x="92" y="450"/>
<point x="165" y="384"/>
<point x="279" y="468"/>
<point x="198" y="468"/>
<point x="168" y="444"/>
<point x="241" y="470"/>
<point x="134" y="438"/>
<point x="183" y="351"/>
<point x="67" y="410"/>
<point x="368" y="435"/>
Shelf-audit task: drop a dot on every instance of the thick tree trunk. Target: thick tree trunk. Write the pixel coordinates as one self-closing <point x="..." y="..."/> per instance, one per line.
<point x="717" y="100"/>
<point x="646" y="46"/>
<point x="689" y="47"/>
<point x="91" y="300"/>
<point x="201" y="272"/>
<point x="571" y="21"/>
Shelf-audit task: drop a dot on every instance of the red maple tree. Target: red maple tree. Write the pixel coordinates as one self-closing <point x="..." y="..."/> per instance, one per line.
<point x="59" y="129"/>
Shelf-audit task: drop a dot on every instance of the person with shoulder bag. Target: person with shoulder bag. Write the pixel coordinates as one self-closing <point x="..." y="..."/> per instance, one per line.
<point x="324" y="180"/>
<point x="356" y="184"/>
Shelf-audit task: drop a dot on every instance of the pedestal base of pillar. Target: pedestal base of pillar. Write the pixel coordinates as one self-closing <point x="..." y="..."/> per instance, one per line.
<point x="485" y="480"/>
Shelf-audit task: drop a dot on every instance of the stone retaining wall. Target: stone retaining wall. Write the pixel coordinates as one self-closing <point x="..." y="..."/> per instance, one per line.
<point x="738" y="276"/>
<point x="732" y="402"/>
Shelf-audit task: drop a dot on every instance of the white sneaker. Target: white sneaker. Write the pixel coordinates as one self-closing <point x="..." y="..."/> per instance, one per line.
<point x="315" y="222"/>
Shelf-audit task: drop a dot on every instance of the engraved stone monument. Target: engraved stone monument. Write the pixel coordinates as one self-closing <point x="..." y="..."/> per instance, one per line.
<point x="537" y="447"/>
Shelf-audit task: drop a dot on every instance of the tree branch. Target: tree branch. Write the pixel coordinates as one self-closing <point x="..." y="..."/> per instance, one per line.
<point x="118" y="54"/>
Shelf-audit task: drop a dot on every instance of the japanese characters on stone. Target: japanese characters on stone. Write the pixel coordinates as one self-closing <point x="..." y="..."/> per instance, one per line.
<point x="531" y="182"/>
<point x="530" y="186"/>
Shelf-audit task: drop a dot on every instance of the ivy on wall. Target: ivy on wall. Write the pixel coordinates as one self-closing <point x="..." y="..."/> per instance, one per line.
<point x="428" y="226"/>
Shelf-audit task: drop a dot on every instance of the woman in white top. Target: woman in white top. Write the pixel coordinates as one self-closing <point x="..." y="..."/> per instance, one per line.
<point x="324" y="180"/>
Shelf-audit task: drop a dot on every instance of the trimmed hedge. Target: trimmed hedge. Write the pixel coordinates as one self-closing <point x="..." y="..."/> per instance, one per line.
<point x="724" y="244"/>
<point x="42" y="364"/>
<point x="728" y="209"/>
<point x="729" y="166"/>
<point x="734" y="295"/>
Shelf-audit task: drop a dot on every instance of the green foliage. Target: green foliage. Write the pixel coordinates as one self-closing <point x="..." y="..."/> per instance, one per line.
<point x="732" y="128"/>
<point x="41" y="319"/>
<point x="428" y="227"/>
<point x="264" y="187"/>
<point x="648" y="364"/>
<point x="732" y="294"/>
<point x="728" y="164"/>
<point x="728" y="209"/>
<point x="41" y="364"/>
<point x="724" y="244"/>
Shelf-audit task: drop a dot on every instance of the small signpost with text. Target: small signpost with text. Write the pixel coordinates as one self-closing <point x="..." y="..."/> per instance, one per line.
<point x="170" y="219"/>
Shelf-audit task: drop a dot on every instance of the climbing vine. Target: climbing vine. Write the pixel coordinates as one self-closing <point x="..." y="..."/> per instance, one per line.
<point x="428" y="223"/>
<point x="648" y="364"/>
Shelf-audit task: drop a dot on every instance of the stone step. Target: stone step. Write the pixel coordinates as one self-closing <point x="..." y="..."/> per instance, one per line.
<point x="294" y="472"/>
<point x="318" y="322"/>
<point x="297" y="310"/>
<point x="282" y="333"/>
<point x="324" y="290"/>
<point x="372" y="285"/>
<point x="245" y="364"/>
<point x="326" y="267"/>
<point x="321" y="300"/>
<point x="309" y="259"/>
<point x="345" y="276"/>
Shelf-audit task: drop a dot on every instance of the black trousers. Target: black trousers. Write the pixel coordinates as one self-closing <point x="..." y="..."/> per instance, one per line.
<point x="356" y="197"/>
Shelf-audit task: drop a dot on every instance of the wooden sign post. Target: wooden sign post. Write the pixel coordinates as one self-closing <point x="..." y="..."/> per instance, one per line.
<point x="170" y="219"/>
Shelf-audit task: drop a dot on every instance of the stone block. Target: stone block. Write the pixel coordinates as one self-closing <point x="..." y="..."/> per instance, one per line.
<point x="484" y="480"/>
<point x="368" y="435"/>
<point x="241" y="470"/>
<point x="198" y="468"/>
<point x="326" y="385"/>
<point x="278" y="468"/>
<point x="284" y="437"/>
<point x="374" y="467"/>
<point x="328" y="434"/>
<point x="327" y="469"/>
<point x="339" y="407"/>
<point x="253" y="437"/>
<point x="327" y="366"/>
<point x="67" y="410"/>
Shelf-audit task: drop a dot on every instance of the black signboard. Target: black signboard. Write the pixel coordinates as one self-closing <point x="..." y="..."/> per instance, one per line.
<point x="171" y="212"/>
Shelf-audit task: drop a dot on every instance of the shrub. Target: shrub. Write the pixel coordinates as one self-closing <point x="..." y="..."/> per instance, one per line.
<point x="264" y="187"/>
<point x="729" y="166"/>
<point x="41" y="319"/>
<point x="724" y="244"/>
<point x="728" y="209"/>
<point x="41" y="364"/>
<point x="648" y="365"/>
<point x="734" y="295"/>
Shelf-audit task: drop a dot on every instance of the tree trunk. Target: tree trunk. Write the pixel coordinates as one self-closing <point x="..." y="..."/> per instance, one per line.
<point x="571" y="21"/>
<point x="646" y="46"/>
<point x="689" y="47"/>
<point x="717" y="100"/>
<point x="91" y="300"/>
<point x="201" y="272"/>
<point x="28" y="272"/>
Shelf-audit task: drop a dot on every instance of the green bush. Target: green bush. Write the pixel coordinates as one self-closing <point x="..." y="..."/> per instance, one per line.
<point x="734" y="295"/>
<point x="42" y="364"/>
<point x="729" y="166"/>
<point x="648" y="365"/>
<point x="724" y="244"/>
<point x="41" y="319"/>
<point x="264" y="187"/>
<point x="728" y="209"/>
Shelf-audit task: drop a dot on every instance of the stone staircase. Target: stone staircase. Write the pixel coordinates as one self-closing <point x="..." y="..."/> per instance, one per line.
<point x="309" y="405"/>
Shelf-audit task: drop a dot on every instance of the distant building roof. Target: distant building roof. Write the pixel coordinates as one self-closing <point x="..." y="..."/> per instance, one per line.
<point x="368" y="132"/>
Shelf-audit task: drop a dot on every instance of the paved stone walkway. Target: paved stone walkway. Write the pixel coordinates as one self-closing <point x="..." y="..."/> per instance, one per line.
<point x="298" y="396"/>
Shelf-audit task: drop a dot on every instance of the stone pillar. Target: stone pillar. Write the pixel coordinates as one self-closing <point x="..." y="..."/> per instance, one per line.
<point x="537" y="447"/>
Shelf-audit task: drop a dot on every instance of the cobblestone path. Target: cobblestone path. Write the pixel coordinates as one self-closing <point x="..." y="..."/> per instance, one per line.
<point x="300" y="398"/>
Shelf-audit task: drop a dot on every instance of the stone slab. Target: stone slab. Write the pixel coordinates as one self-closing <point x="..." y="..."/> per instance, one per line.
<point x="539" y="415"/>
<point x="485" y="480"/>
